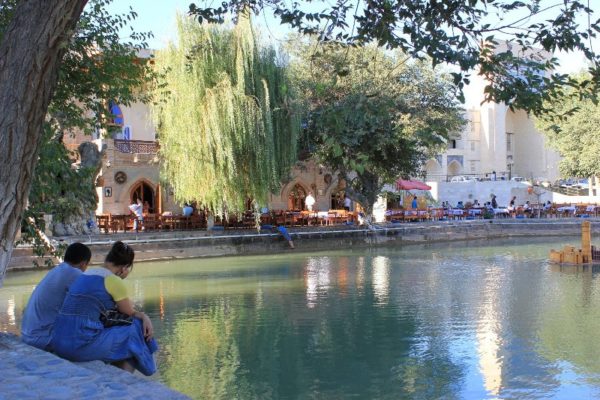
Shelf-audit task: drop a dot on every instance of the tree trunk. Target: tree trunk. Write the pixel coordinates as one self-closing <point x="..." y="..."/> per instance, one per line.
<point x="30" y="54"/>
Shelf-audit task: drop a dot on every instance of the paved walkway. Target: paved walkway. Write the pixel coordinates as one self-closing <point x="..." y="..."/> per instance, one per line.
<point x="28" y="373"/>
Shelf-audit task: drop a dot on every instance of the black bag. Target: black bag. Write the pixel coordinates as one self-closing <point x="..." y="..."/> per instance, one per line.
<point x="110" y="318"/>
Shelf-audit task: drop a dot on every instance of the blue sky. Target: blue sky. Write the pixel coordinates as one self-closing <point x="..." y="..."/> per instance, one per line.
<point x="158" y="16"/>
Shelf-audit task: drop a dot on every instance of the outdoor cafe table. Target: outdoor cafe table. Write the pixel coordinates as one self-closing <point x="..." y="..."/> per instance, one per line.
<point x="456" y="213"/>
<point x="501" y="211"/>
<point x="475" y="211"/>
<point x="567" y="210"/>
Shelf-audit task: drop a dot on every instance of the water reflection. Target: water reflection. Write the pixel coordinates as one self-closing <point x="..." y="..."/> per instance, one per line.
<point x="448" y="321"/>
<point x="317" y="279"/>
<point x="488" y="333"/>
<point x="381" y="278"/>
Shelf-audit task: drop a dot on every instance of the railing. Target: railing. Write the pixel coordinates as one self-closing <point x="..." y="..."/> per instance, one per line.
<point x="136" y="146"/>
<point x="569" y="190"/>
<point x="500" y="176"/>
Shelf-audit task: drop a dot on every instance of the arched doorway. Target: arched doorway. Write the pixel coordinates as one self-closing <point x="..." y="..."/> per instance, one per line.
<point x="144" y="191"/>
<point x="337" y="199"/>
<point x="454" y="168"/>
<point x="296" y="198"/>
<point x="433" y="169"/>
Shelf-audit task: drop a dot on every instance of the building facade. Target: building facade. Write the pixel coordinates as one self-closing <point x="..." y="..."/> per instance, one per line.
<point x="496" y="138"/>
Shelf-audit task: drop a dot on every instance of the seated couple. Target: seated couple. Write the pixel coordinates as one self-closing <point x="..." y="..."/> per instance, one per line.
<point x="67" y="312"/>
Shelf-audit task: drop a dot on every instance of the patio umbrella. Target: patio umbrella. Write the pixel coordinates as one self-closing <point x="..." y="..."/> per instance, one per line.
<point x="402" y="184"/>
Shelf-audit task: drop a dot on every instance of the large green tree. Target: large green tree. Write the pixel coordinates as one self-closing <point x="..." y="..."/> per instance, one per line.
<point x="228" y="125"/>
<point x="65" y="63"/>
<point x="100" y="65"/>
<point x="31" y="49"/>
<point x="577" y="136"/>
<point x="372" y="117"/>
<point x="462" y="33"/>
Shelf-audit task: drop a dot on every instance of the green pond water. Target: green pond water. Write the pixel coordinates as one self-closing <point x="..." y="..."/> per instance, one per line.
<point x="478" y="320"/>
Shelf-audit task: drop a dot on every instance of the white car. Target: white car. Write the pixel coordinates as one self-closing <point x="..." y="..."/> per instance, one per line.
<point x="462" y="179"/>
<point x="517" y="179"/>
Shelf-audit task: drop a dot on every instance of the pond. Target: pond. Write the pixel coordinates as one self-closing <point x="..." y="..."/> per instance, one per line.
<point x="467" y="321"/>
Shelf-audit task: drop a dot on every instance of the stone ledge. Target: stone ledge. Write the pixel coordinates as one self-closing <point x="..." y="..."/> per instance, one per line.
<point x="29" y="373"/>
<point x="194" y="244"/>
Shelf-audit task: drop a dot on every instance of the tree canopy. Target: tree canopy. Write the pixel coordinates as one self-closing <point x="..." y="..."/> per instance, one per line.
<point x="371" y="116"/>
<point x="576" y="138"/>
<point x="461" y="33"/>
<point x="99" y="65"/>
<point x="227" y="124"/>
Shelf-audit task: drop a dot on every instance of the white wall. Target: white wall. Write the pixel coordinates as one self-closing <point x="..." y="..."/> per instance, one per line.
<point x="504" y="190"/>
<point x="532" y="159"/>
<point x="137" y="116"/>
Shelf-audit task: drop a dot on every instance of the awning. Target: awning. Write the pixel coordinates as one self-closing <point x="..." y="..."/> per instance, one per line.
<point x="402" y="184"/>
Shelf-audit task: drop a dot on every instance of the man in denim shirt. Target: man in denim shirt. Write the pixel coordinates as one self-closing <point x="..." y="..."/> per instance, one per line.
<point x="48" y="296"/>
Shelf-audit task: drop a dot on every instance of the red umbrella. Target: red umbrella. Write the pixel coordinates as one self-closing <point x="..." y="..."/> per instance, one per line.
<point x="402" y="184"/>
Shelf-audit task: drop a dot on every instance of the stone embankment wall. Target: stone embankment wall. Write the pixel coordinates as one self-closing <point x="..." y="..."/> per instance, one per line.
<point x="173" y="245"/>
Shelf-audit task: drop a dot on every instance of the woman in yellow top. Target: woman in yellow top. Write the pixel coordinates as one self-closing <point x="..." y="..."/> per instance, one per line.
<point x="80" y="335"/>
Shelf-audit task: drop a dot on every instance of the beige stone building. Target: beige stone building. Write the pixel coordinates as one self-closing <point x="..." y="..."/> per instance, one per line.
<point x="131" y="168"/>
<point x="496" y="139"/>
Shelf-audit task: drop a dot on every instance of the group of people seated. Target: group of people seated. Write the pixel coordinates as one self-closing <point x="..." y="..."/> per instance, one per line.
<point x="83" y="314"/>
<point x="493" y="206"/>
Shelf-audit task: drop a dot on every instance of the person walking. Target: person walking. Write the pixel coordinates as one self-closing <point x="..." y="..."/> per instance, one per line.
<point x="137" y="209"/>
<point x="309" y="201"/>
<point x="347" y="203"/>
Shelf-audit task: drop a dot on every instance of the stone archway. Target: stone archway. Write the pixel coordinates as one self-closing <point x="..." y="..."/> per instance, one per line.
<point x="433" y="169"/>
<point x="296" y="196"/>
<point x="454" y="168"/>
<point x="144" y="190"/>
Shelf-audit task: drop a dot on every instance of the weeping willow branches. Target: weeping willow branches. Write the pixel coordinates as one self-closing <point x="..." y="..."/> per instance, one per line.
<point x="227" y="127"/>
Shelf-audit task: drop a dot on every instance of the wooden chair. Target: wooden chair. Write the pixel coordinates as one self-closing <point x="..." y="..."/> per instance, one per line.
<point x="197" y="221"/>
<point x="151" y="222"/>
<point x="103" y="222"/>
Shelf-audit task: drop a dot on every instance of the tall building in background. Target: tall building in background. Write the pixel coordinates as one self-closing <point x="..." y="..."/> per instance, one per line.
<point x="496" y="139"/>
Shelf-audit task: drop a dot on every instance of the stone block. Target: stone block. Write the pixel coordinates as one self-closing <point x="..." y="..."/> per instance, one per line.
<point x="556" y="256"/>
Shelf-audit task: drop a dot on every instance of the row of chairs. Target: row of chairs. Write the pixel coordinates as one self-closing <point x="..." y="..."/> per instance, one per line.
<point x="108" y="223"/>
<point x="151" y="222"/>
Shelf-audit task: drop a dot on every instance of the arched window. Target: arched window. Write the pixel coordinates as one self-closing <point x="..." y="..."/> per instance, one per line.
<point x="296" y="198"/>
<point x="145" y="192"/>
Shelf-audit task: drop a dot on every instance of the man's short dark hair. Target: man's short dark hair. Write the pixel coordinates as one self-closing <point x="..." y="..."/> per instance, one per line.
<point x="77" y="253"/>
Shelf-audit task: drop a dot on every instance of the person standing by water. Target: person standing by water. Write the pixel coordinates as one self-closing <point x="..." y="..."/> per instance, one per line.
<point x="309" y="201"/>
<point x="82" y="334"/>
<point x="137" y="208"/>
<point x="347" y="203"/>
<point x="49" y="294"/>
<point x="494" y="202"/>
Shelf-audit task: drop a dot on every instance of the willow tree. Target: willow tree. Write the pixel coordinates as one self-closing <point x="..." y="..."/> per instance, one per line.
<point x="226" y="122"/>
